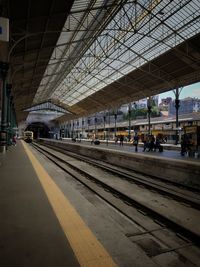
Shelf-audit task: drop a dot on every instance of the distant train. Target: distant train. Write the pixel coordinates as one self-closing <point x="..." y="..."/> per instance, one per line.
<point x="28" y="136"/>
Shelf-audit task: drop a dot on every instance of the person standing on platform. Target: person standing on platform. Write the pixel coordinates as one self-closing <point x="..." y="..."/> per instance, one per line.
<point x="14" y="140"/>
<point x="121" y="139"/>
<point x="151" y="143"/>
<point x="184" y="143"/>
<point x="145" y="141"/>
<point x="135" y="142"/>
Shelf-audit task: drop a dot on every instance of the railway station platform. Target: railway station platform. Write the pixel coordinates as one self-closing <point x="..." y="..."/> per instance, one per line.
<point x="169" y="150"/>
<point x="34" y="229"/>
<point x="39" y="225"/>
<point x="169" y="164"/>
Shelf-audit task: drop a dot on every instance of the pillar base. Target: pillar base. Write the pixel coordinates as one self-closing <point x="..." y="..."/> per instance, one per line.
<point x="3" y="146"/>
<point x="2" y="149"/>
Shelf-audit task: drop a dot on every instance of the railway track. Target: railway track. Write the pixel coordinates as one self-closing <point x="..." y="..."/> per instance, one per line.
<point x="131" y="193"/>
<point x="187" y="195"/>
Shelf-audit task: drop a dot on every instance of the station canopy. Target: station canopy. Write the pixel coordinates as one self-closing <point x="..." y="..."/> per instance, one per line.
<point x="48" y="107"/>
<point x="114" y="52"/>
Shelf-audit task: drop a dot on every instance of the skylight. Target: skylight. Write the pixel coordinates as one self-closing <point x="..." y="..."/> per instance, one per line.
<point x="93" y="50"/>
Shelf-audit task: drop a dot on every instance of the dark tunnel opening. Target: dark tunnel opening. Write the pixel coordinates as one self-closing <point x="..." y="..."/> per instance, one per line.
<point x="39" y="129"/>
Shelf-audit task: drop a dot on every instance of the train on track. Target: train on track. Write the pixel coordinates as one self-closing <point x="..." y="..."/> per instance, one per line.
<point x="28" y="136"/>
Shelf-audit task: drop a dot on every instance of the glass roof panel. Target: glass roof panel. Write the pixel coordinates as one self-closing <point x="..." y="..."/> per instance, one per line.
<point x="47" y="107"/>
<point x="92" y="51"/>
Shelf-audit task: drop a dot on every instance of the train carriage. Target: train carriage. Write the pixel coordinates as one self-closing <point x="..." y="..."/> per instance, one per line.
<point x="28" y="136"/>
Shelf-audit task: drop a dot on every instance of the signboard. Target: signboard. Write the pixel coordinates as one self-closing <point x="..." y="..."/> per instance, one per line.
<point x="190" y="129"/>
<point x="193" y="133"/>
<point x="167" y="126"/>
<point x="158" y="127"/>
<point x="4" y="29"/>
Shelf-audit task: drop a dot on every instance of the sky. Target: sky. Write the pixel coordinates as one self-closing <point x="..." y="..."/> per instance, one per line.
<point x="187" y="91"/>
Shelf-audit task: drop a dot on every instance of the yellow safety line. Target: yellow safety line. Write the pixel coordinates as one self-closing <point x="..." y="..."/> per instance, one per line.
<point x="88" y="250"/>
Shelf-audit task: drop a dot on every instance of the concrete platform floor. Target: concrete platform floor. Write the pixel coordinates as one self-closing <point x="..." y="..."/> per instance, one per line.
<point x="39" y="222"/>
<point x="30" y="234"/>
<point x="38" y="227"/>
<point x="170" y="151"/>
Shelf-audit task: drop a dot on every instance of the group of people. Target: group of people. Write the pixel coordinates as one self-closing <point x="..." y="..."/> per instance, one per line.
<point x="151" y="143"/>
<point x="119" y="138"/>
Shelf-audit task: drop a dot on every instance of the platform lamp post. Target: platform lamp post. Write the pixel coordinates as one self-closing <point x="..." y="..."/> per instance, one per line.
<point x="177" y="92"/>
<point x="64" y="129"/>
<point x="82" y="123"/>
<point x="3" y="131"/>
<point x="70" y="129"/>
<point x="12" y="119"/>
<point x="67" y="130"/>
<point x="88" y="122"/>
<point x="95" y="126"/>
<point x="108" y="132"/>
<point x="149" y="106"/>
<point x="14" y="116"/>
<point x="9" y="103"/>
<point x="10" y="116"/>
<point x="73" y="129"/>
<point x="104" y="126"/>
<point x="77" y="129"/>
<point x="115" y="117"/>
<point x="129" y="122"/>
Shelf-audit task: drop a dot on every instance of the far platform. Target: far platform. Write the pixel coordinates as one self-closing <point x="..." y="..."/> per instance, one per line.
<point x="168" y="164"/>
<point x="169" y="150"/>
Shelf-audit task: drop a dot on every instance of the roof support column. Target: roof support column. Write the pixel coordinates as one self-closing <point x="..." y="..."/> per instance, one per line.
<point x="177" y="92"/>
<point x="129" y="121"/>
<point x="149" y="106"/>
<point x="104" y="124"/>
<point x="4" y="66"/>
<point x="9" y="106"/>
<point x="95" y="126"/>
<point x="115" y="117"/>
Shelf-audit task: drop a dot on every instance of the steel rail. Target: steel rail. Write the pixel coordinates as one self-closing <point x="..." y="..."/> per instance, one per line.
<point x="188" y="233"/>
